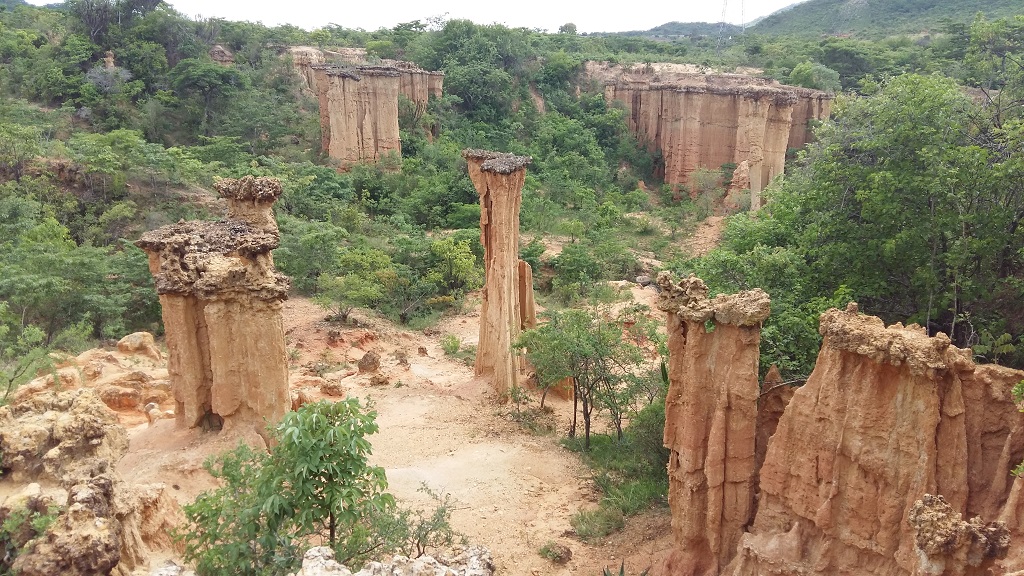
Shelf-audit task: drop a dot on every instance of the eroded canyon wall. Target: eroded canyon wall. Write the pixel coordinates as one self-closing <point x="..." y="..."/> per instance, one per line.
<point x="507" y="299"/>
<point x="359" y="102"/>
<point x="893" y="458"/>
<point x="221" y="301"/>
<point x="705" y="121"/>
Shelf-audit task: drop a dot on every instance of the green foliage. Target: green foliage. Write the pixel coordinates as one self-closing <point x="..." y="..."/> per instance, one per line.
<point x="593" y="352"/>
<point x="597" y="523"/>
<point x="316" y="481"/>
<point x="817" y="76"/>
<point x="450" y="343"/>
<point x="19" y="526"/>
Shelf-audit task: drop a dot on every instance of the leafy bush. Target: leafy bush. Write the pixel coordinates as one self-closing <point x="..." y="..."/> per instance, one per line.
<point x="450" y="343"/>
<point x="315" y="481"/>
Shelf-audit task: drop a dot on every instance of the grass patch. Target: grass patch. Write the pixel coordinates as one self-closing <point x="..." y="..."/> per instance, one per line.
<point x="597" y="523"/>
<point x="631" y="473"/>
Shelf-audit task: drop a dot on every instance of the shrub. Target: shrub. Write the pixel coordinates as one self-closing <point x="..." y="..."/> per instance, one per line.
<point x="315" y="481"/>
<point x="597" y="523"/>
<point x="450" y="343"/>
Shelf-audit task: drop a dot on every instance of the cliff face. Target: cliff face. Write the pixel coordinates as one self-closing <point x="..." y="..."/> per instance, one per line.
<point x="359" y="102"/>
<point x="221" y="302"/>
<point x="706" y="121"/>
<point x="710" y="415"/>
<point x="507" y="299"/>
<point x="892" y="428"/>
<point x="359" y="109"/>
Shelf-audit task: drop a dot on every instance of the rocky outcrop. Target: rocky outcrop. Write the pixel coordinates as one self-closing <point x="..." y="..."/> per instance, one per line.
<point x="706" y="121"/>
<point x="948" y="546"/>
<point x="472" y="561"/>
<point x="710" y="415"/>
<point x="498" y="179"/>
<point x="888" y="416"/>
<point x="59" y="436"/>
<point x="221" y="55"/>
<point x="359" y="102"/>
<point x="128" y="379"/>
<point x="221" y="301"/>
<point x="69" y="442"/>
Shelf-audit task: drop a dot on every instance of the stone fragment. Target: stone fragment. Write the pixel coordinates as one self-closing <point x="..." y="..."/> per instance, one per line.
<point x="370" y="362"/>
<point x="141" y="343"/>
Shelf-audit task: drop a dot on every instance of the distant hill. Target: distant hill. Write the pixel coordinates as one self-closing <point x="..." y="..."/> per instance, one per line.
<point x="12" y="3"/>
<point x="878" y="18"/>
<point x="677" y="30"/>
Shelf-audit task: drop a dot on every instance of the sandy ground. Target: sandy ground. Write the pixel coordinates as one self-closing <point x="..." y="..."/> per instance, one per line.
<point x="441" y="428"/>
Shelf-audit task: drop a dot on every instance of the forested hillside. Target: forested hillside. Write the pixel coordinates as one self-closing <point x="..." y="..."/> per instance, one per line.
<point x="115" y="119"/>
<point x="878" y="18"/>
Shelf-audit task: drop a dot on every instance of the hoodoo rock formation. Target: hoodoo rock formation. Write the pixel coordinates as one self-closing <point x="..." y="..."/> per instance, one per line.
<point x="706" y="121"/>
<point x="221" y="299"/>
<point x="359" y="103"/>
<point x="884" y="462"/>
<point x="507" y="298"/>
<point x="710" y="415"/>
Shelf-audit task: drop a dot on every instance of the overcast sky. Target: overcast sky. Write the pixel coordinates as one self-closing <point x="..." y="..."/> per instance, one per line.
<point x="591" y="16"/>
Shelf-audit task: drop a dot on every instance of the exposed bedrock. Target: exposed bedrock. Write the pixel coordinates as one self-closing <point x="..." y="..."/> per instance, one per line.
<point x="359" y="102"/>
<point x="507" y="303"/>
<point x="221" y="302"/>
<point x="705" y="121"/>
<point x="888" y="416"/>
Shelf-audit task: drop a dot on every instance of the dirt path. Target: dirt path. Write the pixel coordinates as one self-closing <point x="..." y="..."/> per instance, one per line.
<point x="440" y="428"/>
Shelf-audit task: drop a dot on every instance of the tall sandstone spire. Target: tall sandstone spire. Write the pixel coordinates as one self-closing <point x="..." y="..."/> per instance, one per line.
<point x="508" y="286"/>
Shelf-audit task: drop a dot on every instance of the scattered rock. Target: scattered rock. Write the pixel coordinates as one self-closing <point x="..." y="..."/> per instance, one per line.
<point x="422" y="351"/>
<point x="370" y="362"/>
<point x="332" y="388"/>
<point x="141" y="343"/>
<point x="379" y="380"/>
<point x="473" y="561"/>
<point x="644" y="280"/>
<point x="300" y="398"/>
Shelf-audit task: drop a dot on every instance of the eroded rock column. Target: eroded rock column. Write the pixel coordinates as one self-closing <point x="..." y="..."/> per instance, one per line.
<point x="710" y="419"/>
<point x="221" y="301"/>
<point x="498" y="179"/>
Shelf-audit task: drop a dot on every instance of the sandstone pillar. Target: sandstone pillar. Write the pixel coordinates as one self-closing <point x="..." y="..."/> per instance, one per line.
<point x="498" y="179"/>
<point x="710" y="419"/>
<point x="221" y="302"/>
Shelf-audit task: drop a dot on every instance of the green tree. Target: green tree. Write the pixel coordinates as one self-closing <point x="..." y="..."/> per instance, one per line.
<point x="18" y="146"/>
<point x="316" y="479"/>
<point x="206" y="81"/>
<point x="817" y="76"/>
<point x="590" y="350"/>
<point x="454" y="268"/>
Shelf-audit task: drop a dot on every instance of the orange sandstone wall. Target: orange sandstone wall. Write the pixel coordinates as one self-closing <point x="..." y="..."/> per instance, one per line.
<point x="707" y="121"/>
<point x="892" y="459"/>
